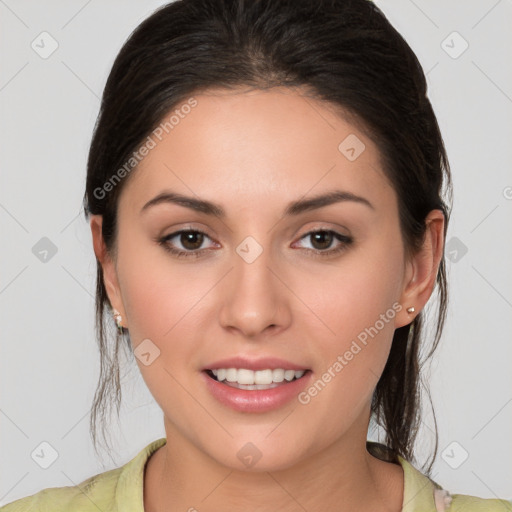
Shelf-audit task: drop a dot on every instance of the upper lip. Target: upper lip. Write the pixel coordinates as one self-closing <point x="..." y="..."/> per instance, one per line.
<point x="262" y="363"/>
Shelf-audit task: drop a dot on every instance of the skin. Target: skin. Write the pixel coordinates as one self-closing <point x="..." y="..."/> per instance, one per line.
<point x="253" y="152"/>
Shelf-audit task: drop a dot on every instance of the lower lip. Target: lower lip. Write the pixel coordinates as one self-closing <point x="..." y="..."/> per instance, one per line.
<point x="258" y="400"/>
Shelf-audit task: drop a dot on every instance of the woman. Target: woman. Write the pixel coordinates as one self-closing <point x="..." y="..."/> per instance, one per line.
<point x="265" y="194"/>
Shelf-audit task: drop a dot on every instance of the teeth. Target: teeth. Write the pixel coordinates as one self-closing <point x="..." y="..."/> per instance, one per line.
<point x="258" y="377"/>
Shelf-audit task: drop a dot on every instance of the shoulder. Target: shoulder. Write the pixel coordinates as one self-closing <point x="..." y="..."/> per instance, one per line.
<point x="422" y="493"/>
<point x="466" y="503"/>
<point x="446" y="502"/>
<point x="117" y="489"/>
<point x="95" y="493"/>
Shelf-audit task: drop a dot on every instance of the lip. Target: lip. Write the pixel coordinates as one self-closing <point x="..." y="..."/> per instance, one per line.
<point x="263" y="363"/>
<point x="258" y="400"/>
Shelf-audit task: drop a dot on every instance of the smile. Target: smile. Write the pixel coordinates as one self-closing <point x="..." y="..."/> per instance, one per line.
<point x="255" y="391"/>
<point x="242" y="378"/>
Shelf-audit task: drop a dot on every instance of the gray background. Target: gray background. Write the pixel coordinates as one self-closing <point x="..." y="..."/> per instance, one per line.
<point x="49" y="362"/>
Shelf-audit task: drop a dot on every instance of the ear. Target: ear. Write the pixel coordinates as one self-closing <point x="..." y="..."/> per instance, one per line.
<point x="108" y="265"/>
<point x="421" y="270"/>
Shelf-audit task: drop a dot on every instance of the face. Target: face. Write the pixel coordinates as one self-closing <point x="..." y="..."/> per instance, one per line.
<point x="269" y="274"/>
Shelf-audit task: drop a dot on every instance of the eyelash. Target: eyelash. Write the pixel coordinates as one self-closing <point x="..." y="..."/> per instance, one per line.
<point x="164" y="242"/>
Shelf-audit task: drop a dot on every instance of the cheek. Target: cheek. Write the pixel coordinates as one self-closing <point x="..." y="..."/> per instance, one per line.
<point x="162" y="301"/>
<point x="355" y="301"/>
<point x="357" y="306"/>
<point x="158" y="292"/>
<point x="351" y="295"/>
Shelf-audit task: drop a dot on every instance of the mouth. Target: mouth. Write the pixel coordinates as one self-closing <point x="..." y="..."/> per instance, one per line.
<point x="243" y="378"/>
<point x="265" y="388"/>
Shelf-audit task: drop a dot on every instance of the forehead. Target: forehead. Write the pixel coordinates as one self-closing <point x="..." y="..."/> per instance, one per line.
<point x="242" y="145"/>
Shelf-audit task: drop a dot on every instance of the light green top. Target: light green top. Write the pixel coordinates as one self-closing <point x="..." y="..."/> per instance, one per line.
<point x="121" y="490"/>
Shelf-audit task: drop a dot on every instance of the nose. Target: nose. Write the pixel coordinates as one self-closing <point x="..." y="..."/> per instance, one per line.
<point x="254" y="300"/>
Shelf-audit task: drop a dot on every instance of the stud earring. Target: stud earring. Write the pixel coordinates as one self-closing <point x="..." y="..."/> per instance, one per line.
<point x="118" y="318"/>
<point x="411" y="310"/>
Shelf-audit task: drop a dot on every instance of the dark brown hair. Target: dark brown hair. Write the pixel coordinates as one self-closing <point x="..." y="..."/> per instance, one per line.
<point x="346" y="53"/>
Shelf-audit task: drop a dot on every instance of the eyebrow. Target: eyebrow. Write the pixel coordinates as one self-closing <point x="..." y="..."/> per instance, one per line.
<point x="293" y="208"/>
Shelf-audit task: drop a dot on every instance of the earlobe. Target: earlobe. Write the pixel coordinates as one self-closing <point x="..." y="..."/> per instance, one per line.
<point x="423" y="268"/>
<point x="110" y="280"/>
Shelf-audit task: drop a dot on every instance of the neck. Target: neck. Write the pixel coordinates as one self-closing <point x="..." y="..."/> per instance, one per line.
<point x="344" y="477"/>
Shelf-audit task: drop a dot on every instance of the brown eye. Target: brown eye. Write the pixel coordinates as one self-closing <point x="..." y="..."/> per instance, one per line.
<point x="185" y="243"/>
<point x="322" y="242"/>
<point x="322" y="239"/>
<point x="191" y="240"/>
